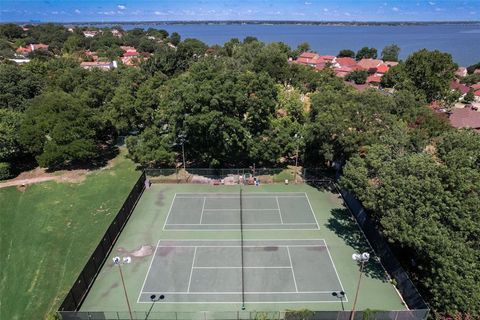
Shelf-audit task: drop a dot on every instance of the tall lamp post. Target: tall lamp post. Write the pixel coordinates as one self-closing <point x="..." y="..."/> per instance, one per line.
<point x="126" y="260"/>
<point x="360" y="258"/>
<point x="297" y="138"/>
<point x="182" y="137"/>
<point x="154" y="299"/>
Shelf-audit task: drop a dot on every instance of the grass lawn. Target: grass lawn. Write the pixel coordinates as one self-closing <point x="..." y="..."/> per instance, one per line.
<point x="47" y="233"/>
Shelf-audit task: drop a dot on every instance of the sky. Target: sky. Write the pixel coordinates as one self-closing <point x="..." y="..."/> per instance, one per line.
<point x="168" y="10"/>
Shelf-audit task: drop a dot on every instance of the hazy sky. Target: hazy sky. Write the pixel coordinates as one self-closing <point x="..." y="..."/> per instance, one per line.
<point x="137" y="10"/>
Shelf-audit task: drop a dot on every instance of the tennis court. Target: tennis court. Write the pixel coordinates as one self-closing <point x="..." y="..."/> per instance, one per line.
<point x="214" y="271"/>
<point x="213" y="211"/>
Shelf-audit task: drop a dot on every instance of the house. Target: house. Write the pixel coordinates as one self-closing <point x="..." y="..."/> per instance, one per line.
<point x="477" y="71"/>
<point x="465" y="118"/>
<point x="31" y="47"/>
<point x="93" y="55"/>
<point x="98" y="65"/>
<point x="116" y="33"/>
<point x="382" y="69"/>
<point x="390" y="63"/>
<point x="346" y="62"/>
<point x="476" y="86"/>
<point x="131" y="54"/>
<point x="20" y="61"/>
<point x="90" y="33"/>
<point x="374" y="79"/>
<point x="461" y="72"/>
<point x="342" y="71"/>
<point x="370" y="64"/>
<point x="463" y="89"/>
<point x="128" y="49"/>
<point x="477" y="95"/>
<point x="309" y="59"/>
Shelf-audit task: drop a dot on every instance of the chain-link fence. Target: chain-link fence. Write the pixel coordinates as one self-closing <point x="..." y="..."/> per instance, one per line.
<point x="249" y="315"/>
<point x="236" y="175"/>
<point x="77" y="293"/>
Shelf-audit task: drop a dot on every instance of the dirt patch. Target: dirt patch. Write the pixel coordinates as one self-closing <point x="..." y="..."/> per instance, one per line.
<point x="143" y="251"/>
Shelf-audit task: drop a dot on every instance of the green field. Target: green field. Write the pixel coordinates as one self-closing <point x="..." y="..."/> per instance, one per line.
<point x="146" y="227"/>
<point x="47" y="233"/>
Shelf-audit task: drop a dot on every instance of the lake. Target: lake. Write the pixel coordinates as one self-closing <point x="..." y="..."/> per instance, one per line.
<point x="462" y="41"/>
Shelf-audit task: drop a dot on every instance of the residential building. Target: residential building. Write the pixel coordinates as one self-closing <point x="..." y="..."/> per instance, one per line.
<point x="90" y="33"/>
<point x="99" y="65"/>
<point x="465" y="118"/>
<point x="461" y="72"/>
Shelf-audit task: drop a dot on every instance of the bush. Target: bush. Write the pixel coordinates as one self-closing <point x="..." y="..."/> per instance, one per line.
<point x="4" y="170"/>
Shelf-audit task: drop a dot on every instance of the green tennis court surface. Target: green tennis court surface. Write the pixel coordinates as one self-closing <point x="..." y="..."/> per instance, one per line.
<point x="195" y="211"/>
<point x="211" y="271"/>
<point x="185" y="244"/>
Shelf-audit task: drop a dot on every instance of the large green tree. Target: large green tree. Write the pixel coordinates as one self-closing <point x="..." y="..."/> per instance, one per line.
<point x="431" y="72"/>
<point x="59" y="130"/>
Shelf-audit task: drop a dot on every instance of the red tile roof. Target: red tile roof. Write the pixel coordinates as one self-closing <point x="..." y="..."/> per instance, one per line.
<point x="308" y="55"/>
<point x="390" y="63"/>
<point x="477" y="93"/>
<point x="327" y="57"/>
<point x="369" y="63"/>
<point x="382" y="68"/>
<point x="465" y="118"/>
<point x="131" y="54"/>
<point x="476" y="86"/>
<point x="374" y="78"/>
<point x="459" y="86"/>
<point x="347" y="62"/>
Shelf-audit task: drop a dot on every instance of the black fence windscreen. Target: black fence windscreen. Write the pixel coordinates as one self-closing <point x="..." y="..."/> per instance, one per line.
<point x="79" y="290"/>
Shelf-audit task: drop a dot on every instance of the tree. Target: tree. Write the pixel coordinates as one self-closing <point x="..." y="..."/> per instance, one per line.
<point x="431" y="72"/>
<point x="9" y="125"/>
<point x="302" y="47"/>
<point x="390" y="53"/>
<point x="17" y="85"/>
<point x="366" y="53"/>
<point x="357" y="76"/>
<point x="152" y="148"/>
<point x="59" y="130"/>
<point x="11" y="31"/>
<point x="394" y="77"/>
<point x="346" y="53"/>
<point x="146" y="45"/>
<point x="174" y="38"/>
<point x="469" y="97"/>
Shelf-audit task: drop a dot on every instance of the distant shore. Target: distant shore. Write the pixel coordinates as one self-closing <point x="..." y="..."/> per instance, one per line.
<point x="264" y="22"/>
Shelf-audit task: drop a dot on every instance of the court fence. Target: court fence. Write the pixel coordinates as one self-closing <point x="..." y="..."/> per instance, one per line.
<point x="317" y="177"/>
<point x="236" y="175"/>
<point x="79" y="290"/>
<point x="250" y="315"/>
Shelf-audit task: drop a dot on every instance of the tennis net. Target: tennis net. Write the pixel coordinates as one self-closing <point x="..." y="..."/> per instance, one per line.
<point x="241" y="249"/>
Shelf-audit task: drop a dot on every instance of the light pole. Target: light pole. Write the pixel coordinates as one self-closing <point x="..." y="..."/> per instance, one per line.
<point x="119" y="262"/>
<point x="154" y="299"/>
<point x="182" y="137"/>
<point x="340" y="295"/>
<point x="297" y="138"/>
<point x="361" y="258"/>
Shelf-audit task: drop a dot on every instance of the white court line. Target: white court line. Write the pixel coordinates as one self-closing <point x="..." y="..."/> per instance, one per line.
<point x="237" y="292"/>
<point x="279" y="210"/>
<point x="291" y="266"/>
<point x="191" y="269"/>
<point x="313" y="212"/>
<point x="264" y="246"/>
<point x="203" y="209"/>
<point x="237" y="224"/>
<point x="148" y="271"/>
<point x="169" y="210"/>
<point x="285" y="267"/>
<point x="236" y="197"/>
<point x="238" y="209"/>
<point x="334" y="268"/>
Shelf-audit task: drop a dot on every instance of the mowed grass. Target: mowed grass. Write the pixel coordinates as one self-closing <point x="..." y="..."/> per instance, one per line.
<point x="47" y="233"/>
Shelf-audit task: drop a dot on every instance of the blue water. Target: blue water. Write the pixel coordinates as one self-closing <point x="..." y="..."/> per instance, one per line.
<point x="462" y="41"/>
